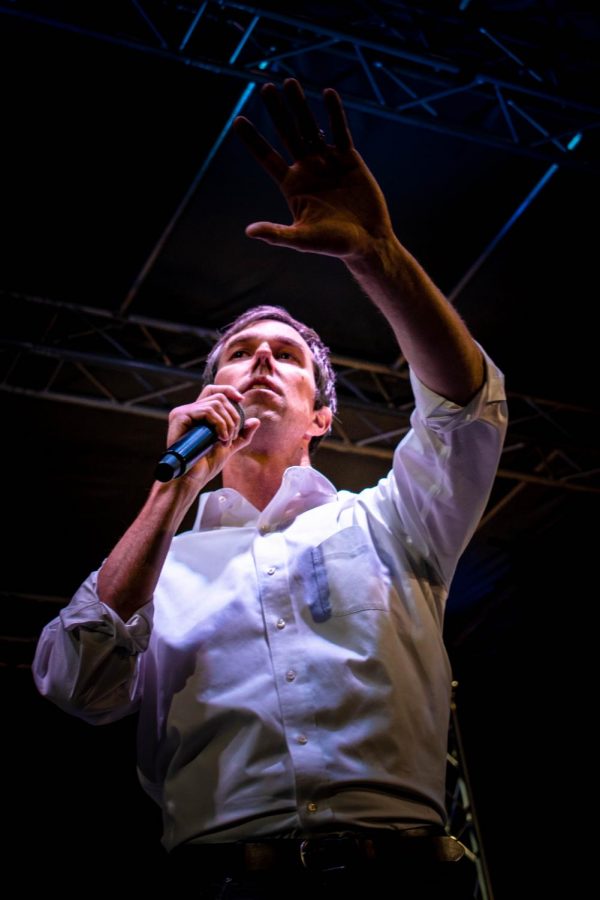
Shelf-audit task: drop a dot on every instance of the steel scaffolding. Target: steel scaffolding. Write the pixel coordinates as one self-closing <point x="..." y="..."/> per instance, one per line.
<point x="142" y="366"/>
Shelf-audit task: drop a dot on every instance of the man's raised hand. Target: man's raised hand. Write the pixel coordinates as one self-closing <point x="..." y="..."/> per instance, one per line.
<point x="337" y="206"/>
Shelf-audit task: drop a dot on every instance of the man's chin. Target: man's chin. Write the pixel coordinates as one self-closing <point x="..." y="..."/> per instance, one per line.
<point x="259" y="393"/>
<point x="261" y="403"/>
<point x="268" y="428"/>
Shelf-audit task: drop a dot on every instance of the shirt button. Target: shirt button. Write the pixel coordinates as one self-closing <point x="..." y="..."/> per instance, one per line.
<point x="311" y="807"/>
<point x="302" y="739"/>
<point x="290" y="676"/>
<point x="280" y="623"/>
<point x="222" y="499"/>
<point x="264" y="529"/>
<point x="271" y="570"/>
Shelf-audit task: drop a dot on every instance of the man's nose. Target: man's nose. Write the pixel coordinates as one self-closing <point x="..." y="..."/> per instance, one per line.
<point x="263" y="355"/>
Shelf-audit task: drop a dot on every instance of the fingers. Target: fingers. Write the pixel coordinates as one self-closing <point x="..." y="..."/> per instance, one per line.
<point x="340" y="131"/>
<point x="293" y="119"/>
<point x="302" y="134"/>
<point x="307" y="128"/>
<point x="262" y="151"/>
<point x="215" y="406"/>
<point x="287" y="128"/>
<point x="294" y="122"/>
<point x="296" y="125"/>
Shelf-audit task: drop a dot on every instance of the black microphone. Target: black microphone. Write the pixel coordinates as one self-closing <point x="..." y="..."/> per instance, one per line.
<point x="182" y="455"/>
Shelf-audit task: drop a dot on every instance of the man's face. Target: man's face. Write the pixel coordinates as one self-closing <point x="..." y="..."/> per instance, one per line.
<point x="271" y="364"/>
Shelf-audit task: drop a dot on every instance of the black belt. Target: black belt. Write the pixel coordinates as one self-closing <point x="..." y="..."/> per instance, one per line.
<point x="327" y="853"/>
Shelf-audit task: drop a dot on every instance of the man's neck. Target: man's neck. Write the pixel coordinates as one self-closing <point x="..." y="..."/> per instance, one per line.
<point x="258" y="476"/>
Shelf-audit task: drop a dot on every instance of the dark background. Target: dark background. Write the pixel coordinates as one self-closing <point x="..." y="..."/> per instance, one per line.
<point x="101" y="143"/>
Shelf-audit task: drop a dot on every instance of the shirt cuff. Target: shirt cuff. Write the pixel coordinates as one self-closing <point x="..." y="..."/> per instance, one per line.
<point x="86" y="611"/>
<point x="442" y="414"/>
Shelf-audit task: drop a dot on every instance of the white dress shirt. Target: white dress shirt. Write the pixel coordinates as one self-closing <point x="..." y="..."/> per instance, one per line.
<point x="290" y="673"/>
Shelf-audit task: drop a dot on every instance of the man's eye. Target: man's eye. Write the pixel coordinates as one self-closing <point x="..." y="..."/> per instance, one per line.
<point x="283" y="354"/>
<point x="237" y="354"/>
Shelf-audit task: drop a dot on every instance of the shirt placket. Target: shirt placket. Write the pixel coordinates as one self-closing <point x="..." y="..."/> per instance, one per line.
<point x="290" y="672"/>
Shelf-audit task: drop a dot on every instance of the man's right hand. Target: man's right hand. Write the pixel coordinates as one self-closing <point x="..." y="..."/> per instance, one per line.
<point x="216" y="406"/>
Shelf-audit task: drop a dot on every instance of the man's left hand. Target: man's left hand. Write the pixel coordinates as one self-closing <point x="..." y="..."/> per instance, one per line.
<point x="337" y="205"/>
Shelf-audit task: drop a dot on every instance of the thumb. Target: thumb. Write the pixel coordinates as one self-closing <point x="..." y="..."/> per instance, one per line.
<point x="279" y="235"/>
<point x="251" y="426"/>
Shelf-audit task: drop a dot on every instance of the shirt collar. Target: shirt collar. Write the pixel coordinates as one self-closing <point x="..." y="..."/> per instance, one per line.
<point x="302" y="488"/>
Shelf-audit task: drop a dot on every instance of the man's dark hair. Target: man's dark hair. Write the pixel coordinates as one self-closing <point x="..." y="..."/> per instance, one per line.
<point x="324" y="375"/>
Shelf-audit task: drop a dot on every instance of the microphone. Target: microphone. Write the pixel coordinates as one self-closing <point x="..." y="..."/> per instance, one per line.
<point x="182" y="455"/>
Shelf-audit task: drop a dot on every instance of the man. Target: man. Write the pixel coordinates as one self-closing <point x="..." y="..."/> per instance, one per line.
<point x="286" y="655"/>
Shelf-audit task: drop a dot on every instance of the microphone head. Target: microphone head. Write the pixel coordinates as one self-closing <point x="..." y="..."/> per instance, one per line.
<point x="169" y="467"/>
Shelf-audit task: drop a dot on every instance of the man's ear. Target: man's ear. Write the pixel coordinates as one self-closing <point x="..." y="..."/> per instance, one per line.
<point x="321" y="422"/>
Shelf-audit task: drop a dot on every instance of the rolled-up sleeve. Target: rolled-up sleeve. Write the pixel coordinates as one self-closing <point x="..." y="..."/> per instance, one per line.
<point x="444" y="469"/>
<point x="88" y="660"/>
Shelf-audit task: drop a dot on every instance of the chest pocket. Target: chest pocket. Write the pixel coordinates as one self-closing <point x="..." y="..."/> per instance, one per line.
<point x="343" y="575"/>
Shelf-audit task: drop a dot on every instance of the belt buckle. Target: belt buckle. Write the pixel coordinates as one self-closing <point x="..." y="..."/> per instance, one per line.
<point x="328" y="854"/>
<point x="304" y="847"/>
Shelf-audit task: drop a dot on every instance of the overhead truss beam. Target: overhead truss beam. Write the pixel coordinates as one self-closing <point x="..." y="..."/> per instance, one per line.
<point x="441" y="73"/>
<point x="146" y="366"/>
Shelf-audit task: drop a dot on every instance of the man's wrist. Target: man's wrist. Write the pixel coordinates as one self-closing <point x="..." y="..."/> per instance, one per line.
<point x="380" y="257"/>
<point x="173" y="499"/>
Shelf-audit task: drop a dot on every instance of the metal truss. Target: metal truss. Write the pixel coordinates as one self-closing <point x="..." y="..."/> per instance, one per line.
<point x="516" y="83"/>
<point x="141" y="366"/>
<point x="462" y="819"/>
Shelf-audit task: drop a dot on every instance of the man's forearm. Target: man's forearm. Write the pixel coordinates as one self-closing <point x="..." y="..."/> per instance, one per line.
<point x="431" y="334"/>
<point x="128" y="578"/>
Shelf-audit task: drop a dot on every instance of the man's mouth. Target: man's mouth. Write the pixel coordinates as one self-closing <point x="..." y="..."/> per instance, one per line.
<point x="261" y="382"/>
